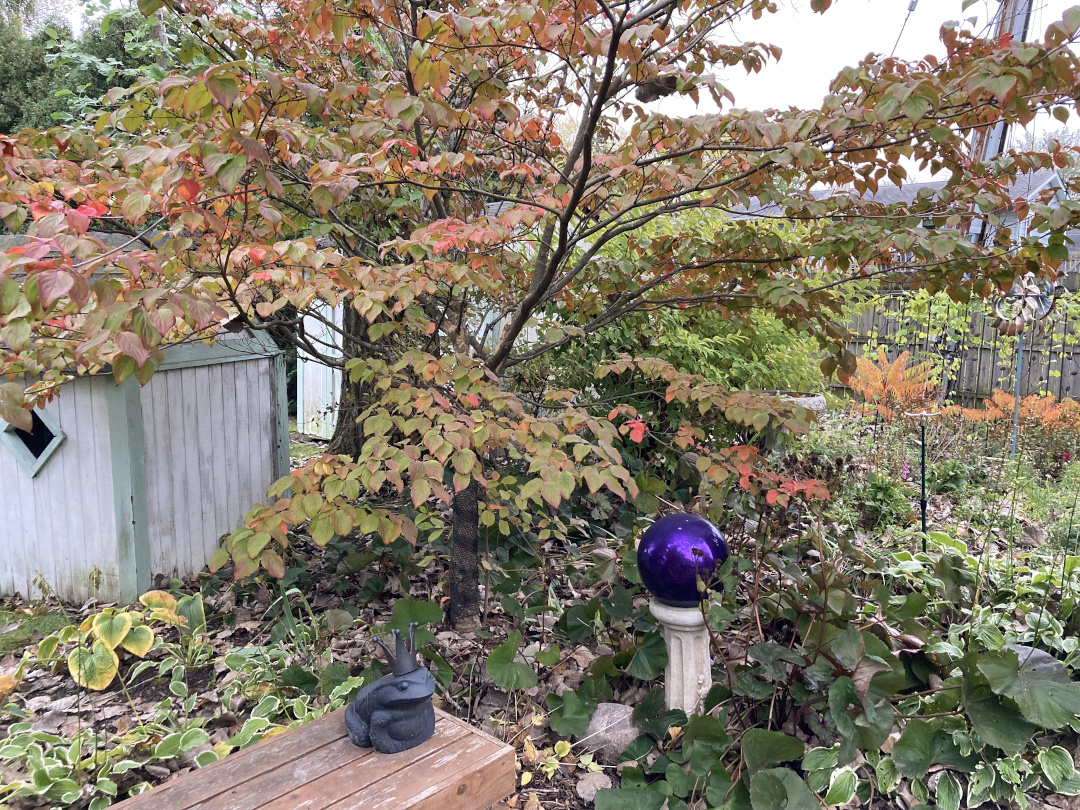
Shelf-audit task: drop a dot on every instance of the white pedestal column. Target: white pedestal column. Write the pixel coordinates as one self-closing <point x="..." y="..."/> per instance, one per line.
<point x="689" y="671"/>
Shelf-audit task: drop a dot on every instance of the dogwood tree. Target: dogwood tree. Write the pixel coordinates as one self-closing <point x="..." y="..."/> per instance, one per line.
<point x="481" y="183"/>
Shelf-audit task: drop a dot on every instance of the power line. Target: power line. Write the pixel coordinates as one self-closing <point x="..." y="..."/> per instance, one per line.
<point x="910" y="9"/>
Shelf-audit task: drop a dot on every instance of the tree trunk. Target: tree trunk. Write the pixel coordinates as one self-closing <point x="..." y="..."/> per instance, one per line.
<point x="465" y="560"/>
<point x="348" y="435"/>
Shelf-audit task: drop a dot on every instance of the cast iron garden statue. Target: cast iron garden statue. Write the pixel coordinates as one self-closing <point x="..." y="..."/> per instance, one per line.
<point x="394" y="713"/>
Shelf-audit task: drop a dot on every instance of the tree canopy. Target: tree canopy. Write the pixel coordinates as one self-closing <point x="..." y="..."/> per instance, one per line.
<point x="482" y="183"/>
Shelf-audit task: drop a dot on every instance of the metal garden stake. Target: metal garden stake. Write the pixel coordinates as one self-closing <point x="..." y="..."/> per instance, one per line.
<point x="922" y="458"/>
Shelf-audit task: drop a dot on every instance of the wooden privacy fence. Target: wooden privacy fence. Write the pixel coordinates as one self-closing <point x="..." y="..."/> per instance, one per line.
<point x="973" y="357"/>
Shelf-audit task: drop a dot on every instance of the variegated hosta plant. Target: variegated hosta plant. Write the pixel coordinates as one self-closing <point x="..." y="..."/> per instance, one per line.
<point x="100" y="641"/>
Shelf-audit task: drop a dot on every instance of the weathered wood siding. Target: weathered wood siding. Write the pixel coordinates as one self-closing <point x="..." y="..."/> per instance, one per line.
<point x="61" y="524"/>
<point x="317" y="385"/>
<point x="211" y="441"/>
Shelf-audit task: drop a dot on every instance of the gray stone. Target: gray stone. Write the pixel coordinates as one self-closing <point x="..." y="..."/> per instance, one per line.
<point x="1040" y="661"/>
<point x="610" y="732"/>
<point x="812" y="402"/>
<point x="592" y="782"/>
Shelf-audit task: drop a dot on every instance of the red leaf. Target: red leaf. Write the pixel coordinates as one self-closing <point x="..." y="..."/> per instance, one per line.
<point x="162" y="319"/>
<point x="130" y="344"/>
<point x="52" y="284"/>
<point x="637" y="430"/>
<point x="189" y="189"/>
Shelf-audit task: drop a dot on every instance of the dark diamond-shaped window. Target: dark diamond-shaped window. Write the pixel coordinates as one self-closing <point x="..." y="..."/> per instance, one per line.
<point x="32" y="448"/>
<point x="38" y="439"/>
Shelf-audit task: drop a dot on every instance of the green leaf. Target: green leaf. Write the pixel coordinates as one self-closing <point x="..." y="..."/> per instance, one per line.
<point x="998" y="724"/>
<point x="1057" y="765"/>
<point x="193" y="738"/>
<point x="1046" y="698"/>
<point x="507" y="673"/>
<point x="169" y="747"/>
<point x="407" y="611"/>
<point x="842" y="694"/>
<point x="569" y="714"/>
<point x="781" y="789"/>
<point x="650" y="658"/>
<point x="628" y="799"/>
<point x="923" y="744"/>
<point x="948" y="792"/>
<point x="820" y="759"/>
<point x="761" y="748"/>
<point x="300" y="678"/>
<point x="842" y="787"/>
<point x="550" y="657"/>
<point x="229" y="174"/>
<point x="191" y="608"/>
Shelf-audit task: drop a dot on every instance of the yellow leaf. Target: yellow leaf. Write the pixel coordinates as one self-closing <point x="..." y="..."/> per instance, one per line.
<point x="158" y="600"/>
<point x="526" y="777"/>
<point x="138" y="641"/>
<point x="10" y="680"/>
<point x="93" y="667"/>
<point x="111" y="629"/>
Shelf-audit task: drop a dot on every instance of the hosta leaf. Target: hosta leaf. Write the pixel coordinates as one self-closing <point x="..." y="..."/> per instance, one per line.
<point x="1057" y="765"/>
<point x="842" y="787"/>
<point x="111" y="629"/>
<point x="191" y="608"/>
<point x="93" y="667"/>
<point x="1043" y="697"/>
<point x="139" y="640"/>
<point x="948" y="792"/>
<point x="47" y="647"/>
<point x="162" y="600"/>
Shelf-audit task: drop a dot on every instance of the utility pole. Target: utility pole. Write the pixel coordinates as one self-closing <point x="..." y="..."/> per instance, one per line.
<point x="1013" y="19"/>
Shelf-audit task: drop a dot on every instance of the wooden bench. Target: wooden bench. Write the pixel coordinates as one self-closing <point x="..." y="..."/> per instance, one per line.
<point x="315" y="767"/>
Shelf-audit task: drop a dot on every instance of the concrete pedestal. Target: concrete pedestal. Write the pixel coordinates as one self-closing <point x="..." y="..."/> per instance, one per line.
<point x="689" y="671"/>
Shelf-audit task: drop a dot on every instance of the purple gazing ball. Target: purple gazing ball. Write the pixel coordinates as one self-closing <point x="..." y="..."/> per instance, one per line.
<point x="674" y="552"/>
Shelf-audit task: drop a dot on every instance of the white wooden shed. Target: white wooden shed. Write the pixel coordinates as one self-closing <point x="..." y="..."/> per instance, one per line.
<point x="318" y="386"/>
<point x="117" y="484"/>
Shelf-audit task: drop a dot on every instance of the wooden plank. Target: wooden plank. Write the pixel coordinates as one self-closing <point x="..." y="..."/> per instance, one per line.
<point x="316" y="767"/>
<point x="459" y="777"/>
<point x="360" y="774"/>
<point x="491" y="780"/>
<point x="202" y="785"/>
<point x="200" y="431"/>
<point x="228" y="424"/>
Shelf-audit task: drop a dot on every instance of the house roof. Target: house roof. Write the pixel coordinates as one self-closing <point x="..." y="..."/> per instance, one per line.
<point x="1025" y="187"/>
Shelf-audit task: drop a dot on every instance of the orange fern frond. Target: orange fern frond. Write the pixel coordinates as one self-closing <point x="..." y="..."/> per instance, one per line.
<point x="891" y="387"/>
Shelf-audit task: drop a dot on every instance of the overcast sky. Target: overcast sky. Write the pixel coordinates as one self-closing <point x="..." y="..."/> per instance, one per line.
<point x="816" y="46"/>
